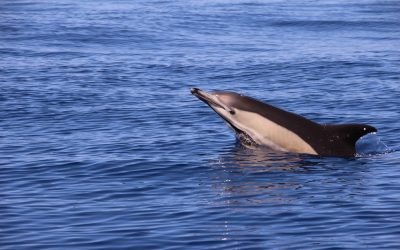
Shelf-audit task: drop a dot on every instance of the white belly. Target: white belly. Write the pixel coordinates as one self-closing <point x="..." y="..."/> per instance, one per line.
<point x="268" y="133"/>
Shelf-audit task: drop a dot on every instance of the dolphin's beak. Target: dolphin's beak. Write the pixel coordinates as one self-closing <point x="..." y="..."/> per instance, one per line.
<point x="195" y="91"/>
<point x="210" y="99"/>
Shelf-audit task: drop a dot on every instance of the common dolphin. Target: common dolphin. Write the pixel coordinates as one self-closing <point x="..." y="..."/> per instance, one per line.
<point x="258" y="123"/>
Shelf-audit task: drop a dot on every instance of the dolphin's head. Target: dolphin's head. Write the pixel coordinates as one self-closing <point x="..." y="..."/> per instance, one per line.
<point x="228" y="106"/>
<point x="223" y="102"/>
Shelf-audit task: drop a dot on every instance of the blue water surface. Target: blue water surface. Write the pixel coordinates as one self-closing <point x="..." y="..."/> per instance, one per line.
<point x="102" y="146"/>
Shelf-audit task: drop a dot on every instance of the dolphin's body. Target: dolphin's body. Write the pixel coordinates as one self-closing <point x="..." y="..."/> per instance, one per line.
<point x="258" y="123"/>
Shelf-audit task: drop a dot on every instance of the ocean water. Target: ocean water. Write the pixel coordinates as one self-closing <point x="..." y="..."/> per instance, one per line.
<point x="102" y="146"/>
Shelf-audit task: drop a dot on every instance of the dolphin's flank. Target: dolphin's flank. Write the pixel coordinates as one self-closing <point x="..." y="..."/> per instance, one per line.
<point x="258" y="123"/>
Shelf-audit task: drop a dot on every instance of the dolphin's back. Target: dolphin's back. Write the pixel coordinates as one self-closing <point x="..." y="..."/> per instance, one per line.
<point x="298" y="124"/>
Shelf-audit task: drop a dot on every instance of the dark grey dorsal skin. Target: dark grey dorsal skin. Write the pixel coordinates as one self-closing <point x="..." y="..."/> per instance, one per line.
<point x="317" y="139"/>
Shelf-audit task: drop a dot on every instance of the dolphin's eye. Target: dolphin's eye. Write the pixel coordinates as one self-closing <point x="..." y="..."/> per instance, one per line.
<point x="232" y="112"/>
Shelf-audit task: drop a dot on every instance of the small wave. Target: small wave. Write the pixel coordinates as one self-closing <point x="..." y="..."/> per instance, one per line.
<point x="338" y="24"/>
<point x="372" y="144"/>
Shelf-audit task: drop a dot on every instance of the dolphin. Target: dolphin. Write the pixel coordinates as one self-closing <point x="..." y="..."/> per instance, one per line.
<point x="259" y="124"/>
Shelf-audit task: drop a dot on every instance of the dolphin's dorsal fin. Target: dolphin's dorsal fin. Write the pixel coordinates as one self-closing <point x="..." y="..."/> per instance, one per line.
<point x="352" y="132"/>
<point x="345" y="136"/>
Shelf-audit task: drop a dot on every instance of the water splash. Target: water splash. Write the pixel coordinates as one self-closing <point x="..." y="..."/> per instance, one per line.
<point x="371" y="144"/>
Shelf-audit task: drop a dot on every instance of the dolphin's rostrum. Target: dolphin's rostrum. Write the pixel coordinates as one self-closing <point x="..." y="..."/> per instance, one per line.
<point x="258" y="123"/>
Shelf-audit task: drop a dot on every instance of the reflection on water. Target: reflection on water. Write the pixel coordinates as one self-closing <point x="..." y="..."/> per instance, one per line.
<point x="247" y="177"/>
<point x="255" y="176"/>
<point x="261" y="159"/>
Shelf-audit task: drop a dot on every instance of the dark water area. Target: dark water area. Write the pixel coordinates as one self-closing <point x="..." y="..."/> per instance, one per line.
<point x="102" y="146"/>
